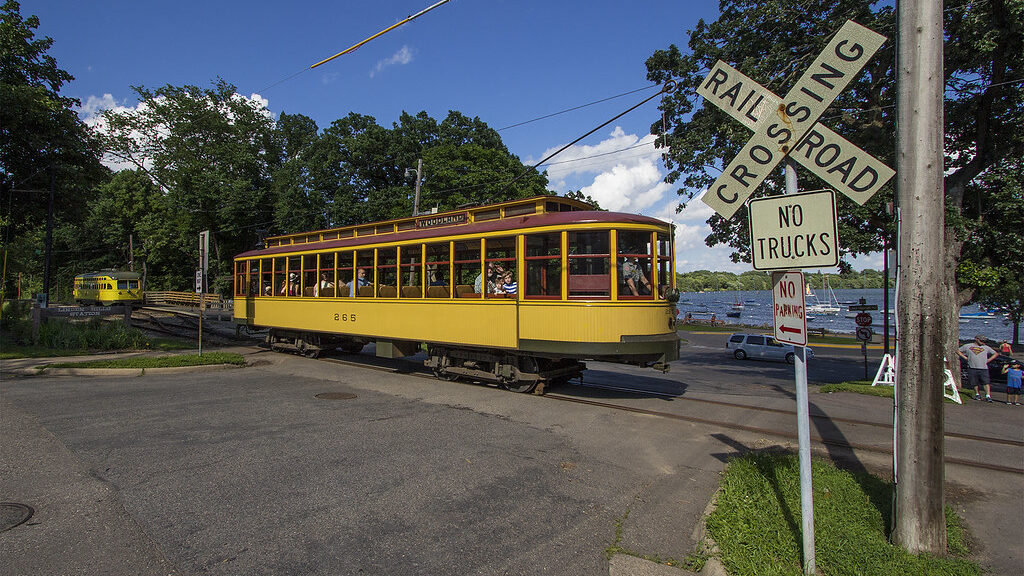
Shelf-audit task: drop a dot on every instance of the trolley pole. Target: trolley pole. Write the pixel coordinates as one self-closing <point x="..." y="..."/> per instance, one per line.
<point x="419" y="178"/>
<point x="803" y="426"/>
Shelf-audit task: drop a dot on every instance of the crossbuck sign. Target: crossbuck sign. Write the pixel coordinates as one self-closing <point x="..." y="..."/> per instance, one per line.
<point x="789" y="126"/>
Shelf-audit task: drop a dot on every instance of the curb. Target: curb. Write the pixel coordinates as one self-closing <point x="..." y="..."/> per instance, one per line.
<point x="44" y="370"/>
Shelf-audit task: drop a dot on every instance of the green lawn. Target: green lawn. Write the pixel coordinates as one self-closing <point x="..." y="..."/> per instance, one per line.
<point x="756" y="523"/>
<point x="865" y="387"/>
<point x="159" y="361"/>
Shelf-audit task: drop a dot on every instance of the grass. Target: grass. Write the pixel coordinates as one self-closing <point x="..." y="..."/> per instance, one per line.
<point x="159" y="361"/>
<point x="865" y="387"/>
<point x="756" y="523"/>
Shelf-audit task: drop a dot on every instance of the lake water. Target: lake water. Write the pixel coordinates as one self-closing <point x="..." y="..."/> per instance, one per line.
<point x="757" y="311"/>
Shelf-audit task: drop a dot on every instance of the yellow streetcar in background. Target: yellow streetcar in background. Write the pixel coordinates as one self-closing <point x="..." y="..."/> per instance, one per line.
<point x="108" y="287"/>
<point x="517" y="293"/>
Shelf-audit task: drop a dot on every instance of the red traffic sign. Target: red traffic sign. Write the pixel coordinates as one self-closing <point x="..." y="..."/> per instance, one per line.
<point x="788" y="308"/>
<point x="863" y="319"/>
<point x="864" y="333"/>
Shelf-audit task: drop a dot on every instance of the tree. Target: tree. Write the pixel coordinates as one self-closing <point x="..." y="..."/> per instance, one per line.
<point x="41" y="141"/>
<point x="992" y="266"/>
<point x="211" y="152"/>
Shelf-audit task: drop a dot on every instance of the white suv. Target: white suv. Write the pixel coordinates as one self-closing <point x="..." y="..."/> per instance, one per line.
<point x="761" y="346"/>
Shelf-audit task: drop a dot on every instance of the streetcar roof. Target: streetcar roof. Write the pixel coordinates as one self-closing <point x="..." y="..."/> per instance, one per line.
<point x="485" y="227"/>
<point x="115" y="274"/>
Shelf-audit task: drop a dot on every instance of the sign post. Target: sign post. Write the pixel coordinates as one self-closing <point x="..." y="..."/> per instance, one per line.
<point x="787" y="129"/>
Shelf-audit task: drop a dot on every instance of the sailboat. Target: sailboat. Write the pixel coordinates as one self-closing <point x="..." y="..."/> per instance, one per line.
<point x="737" y="304"/>
<point x="815" y="306"/>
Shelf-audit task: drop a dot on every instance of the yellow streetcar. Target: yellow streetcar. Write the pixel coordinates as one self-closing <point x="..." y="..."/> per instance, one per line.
<point x="517" y="293"/>
<point x="108" y="287"/>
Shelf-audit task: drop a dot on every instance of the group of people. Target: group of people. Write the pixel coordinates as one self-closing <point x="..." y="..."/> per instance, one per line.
<point x="499" y="280"/>
<point x="978" y="356"/>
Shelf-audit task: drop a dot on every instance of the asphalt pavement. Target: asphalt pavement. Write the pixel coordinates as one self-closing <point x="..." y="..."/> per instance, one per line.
<point x="247" y="471"/>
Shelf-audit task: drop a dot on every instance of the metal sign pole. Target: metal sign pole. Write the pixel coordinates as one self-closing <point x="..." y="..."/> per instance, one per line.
<point x="803" y="426"/>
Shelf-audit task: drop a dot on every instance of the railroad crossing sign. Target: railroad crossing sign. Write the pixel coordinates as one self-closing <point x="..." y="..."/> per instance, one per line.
<point x="789" y="125"/>
<point x="794" y="231"/>
<point x="788" y="307"/>
<point x="863" y="319"/>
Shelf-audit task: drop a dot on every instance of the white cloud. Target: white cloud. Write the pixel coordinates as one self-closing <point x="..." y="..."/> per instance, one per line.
<point x="402" y="57"/>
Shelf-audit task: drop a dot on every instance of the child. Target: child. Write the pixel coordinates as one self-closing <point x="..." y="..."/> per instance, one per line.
<point x="1013" y="382"/>
<point x="509" y="286"/>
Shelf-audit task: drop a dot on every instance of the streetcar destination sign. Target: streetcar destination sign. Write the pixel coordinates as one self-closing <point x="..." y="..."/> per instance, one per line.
<point x="788" y="307"/>
<point x="779" y="132"/>
<point x="794" y="231"/>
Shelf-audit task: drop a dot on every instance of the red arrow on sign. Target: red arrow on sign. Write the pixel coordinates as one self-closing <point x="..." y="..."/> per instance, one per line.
<point x="788" y="329"/>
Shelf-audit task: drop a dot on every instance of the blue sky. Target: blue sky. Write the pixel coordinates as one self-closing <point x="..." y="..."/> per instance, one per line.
<point x="504" y="61"/>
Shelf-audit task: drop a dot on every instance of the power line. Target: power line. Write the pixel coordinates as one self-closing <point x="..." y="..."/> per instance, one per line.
<point x="576" y="107"/>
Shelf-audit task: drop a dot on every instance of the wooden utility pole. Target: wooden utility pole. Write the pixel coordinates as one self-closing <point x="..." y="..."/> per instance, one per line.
<point x="921" y="309"/>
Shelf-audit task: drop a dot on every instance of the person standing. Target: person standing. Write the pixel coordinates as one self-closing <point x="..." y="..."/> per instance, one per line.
<point x="1013" y="382"/>
<point x="978" y="355"/>
<point x="1005" y="348"/>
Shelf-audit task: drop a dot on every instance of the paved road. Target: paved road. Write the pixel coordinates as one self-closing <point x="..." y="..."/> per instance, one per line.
<point x="247" y="472"/>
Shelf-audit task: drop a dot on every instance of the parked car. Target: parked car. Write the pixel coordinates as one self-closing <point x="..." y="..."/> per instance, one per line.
<point x="760" y="346"/>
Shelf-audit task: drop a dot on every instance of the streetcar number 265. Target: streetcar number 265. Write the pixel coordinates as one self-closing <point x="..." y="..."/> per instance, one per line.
<point x="344" y="317"/>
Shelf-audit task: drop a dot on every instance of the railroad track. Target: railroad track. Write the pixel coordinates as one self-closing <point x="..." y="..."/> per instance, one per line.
<point x="824" y="440"/>
<point x="175" y="323"/>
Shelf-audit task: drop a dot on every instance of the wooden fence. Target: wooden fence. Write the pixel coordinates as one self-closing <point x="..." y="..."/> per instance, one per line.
<point x="184" y="299"/>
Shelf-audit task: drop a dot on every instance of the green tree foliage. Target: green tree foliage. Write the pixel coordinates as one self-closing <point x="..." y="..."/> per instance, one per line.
<point x="992" y="267"/>
<point x="210" y="152"/>
<point x="707" y="281"/>
<point x="41" y="141"/>
<point x="773" y="42"/>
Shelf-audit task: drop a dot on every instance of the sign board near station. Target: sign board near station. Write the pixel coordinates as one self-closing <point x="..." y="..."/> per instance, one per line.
<point x="788" y="307"/>
<point x="794" y="231"/>
<point x="199" y="281"/>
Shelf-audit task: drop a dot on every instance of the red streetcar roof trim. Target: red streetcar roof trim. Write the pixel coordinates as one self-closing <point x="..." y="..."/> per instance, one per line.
<point x="488" y="226"/>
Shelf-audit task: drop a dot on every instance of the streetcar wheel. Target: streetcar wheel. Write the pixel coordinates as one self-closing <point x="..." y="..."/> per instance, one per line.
<point x="740" y="354"/>
<point x="445" y="375"/>
<point x="790" y="358"/>
<point x="527" y="365"/>
<point x="352" y="347"/>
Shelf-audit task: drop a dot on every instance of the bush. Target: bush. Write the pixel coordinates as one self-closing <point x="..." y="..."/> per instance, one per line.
<point x="92" y="335"/>
<point x="16" y="321"/>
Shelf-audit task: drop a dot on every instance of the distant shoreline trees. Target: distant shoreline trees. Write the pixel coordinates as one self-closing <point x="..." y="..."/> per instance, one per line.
<point x="708" y="281"/>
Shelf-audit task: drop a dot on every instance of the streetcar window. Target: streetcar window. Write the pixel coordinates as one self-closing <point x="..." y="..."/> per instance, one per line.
<point x="363" y="284"/>
<point x="346" y="267"/>
<point x="267" y="277"/>
<point x="411" y="271"/>
<point x="543" y="265"/>
<point x="280" y="279"/>
<point x="633" y="255"/>
<point x="520" y="210"/>
<point x="308" y="276"/>
<point x="387" y="272"/>
<point x="664" y="264"/>
<point x="438" y="269"/>
<point x="589" y="274"/>
<point x="241" y="282"/>
<point x="326" y="277"/>
<point x="500" y="265"/>
<point x="486" y="215"/>
<point x="467" y="269"/>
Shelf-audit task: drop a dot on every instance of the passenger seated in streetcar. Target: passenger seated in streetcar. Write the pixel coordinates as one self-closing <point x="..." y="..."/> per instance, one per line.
<point x="495" y="273"/>
<point x="323" y="284"/>
<point x="633" y="276"/>
<point x="359" y="281"/>
<point x="292" y="287"/>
